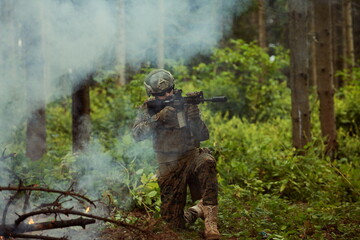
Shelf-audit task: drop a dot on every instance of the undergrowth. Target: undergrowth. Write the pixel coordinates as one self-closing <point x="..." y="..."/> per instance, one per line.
<point x="267" y="190"/>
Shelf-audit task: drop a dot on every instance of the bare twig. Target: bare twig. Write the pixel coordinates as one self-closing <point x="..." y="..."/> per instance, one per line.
<point x="67" y="193"/>
<point x="11" y="200"/>
<point x="3" y="157"/>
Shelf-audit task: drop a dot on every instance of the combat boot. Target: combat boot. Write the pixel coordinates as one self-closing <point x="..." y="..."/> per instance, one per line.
<point x="194" y="213"/>
<point x="210" y="214"/>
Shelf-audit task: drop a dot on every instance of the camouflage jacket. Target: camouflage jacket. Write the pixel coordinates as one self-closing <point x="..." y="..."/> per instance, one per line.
<point x="169" y="140"/>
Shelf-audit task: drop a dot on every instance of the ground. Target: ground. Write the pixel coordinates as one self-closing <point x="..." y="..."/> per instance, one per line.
<point x="153" y="228"/>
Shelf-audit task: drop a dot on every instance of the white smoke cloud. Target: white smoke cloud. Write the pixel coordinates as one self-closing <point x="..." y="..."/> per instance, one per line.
<point x="49" y="39"/>
<point x="57" y="38"/>
<point x="63" y="41"/>
<point x="189" y="27"/>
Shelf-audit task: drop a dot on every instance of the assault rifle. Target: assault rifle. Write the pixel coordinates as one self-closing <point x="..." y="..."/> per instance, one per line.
<point x="179" y="102"/>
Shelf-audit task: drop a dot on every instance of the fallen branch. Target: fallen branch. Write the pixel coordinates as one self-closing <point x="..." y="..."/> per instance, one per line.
<point x="19" y="235"/>
<point x="68" y="212"/>
<point x="55" y="209"/>
<point x="9" y="230"/>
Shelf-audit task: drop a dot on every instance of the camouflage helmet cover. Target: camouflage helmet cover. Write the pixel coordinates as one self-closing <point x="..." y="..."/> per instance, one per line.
<point x="158" y="81"/>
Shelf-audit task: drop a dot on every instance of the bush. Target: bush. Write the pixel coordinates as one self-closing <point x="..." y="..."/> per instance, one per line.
<point x="259" y="157"/>
<point x="346" y="102"/>
<point x="252" y="80"/>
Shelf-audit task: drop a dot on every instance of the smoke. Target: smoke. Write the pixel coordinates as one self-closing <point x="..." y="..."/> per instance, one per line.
<point x="61" y="41"/>
<point x="58" y="41"/>
<point x="48" y="47"/>
<point x="187" y="27"/>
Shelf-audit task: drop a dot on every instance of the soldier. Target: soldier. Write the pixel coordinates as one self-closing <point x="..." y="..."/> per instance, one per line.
<point x="180" y="159"/>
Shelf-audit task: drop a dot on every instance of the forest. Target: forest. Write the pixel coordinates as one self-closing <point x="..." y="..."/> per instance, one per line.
<point x="286" y="142"/>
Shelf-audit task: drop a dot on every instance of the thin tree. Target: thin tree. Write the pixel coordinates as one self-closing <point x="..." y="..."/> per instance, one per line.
<point x="261" y="28"/>
<point x="356" y="31"/>
<point x="80" y="110"/>
<point x="312" y="53"/>
<point x="349" y="54"/>
<point x="337" y="36"/>
<point x="35" y="83"/>
<point x="325" y="75"/>
<point x="121" y="48"/>
<point x="262" y="24"/>
<point x="161" y="36"/>
<point x="299" y="74"/>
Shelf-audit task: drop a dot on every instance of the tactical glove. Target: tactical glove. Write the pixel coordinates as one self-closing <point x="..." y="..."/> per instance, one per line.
<point x="167" y="116"/>
<point x="193" y="112"/>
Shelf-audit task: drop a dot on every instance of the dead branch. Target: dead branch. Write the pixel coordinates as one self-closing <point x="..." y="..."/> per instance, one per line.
<point x="17" y="235"/>
<point x="67" y="193"/>
<point x="9" y="230"/>
<point x="55" y="208"/>
<point x="11" y="200"/>
<point x="3" y="156"/>
<point x="68" y="212"/>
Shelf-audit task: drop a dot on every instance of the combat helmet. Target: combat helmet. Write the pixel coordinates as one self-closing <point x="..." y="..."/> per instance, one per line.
<point x="158" y="82"/>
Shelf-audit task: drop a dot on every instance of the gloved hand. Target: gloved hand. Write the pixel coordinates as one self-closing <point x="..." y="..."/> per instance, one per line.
<point x="168" y="117"/>
<point x="193" y="112"/>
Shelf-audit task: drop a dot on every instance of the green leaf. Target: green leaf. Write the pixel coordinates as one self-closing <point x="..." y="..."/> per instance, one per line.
<point x="140" y="171"/>
<point x="152" y="194"/>
<point x="283" y="186"/>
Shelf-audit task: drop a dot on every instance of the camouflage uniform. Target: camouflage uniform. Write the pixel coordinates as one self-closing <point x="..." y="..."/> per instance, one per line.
<point x="181" y="163"/>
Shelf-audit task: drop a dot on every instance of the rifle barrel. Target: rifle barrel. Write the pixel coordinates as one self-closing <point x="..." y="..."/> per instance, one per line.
<point x="216" y="99"/>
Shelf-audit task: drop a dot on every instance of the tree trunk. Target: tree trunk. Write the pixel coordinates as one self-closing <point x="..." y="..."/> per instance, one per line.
<point x="311" y="24"/>
<point x="337" y="36"/>
<point x="161" y="36"/>
<point x="299" y="77"/>
<point x="35" y="81"/>
<point x="81" y="116"/>
<point x="325" y="76"/>
<point x="356" y="31"/>
<point x="36" y="134"/>
<point x="262" y="24"/>
<point x="349" y="33"/>
<point x="121" y="47"/>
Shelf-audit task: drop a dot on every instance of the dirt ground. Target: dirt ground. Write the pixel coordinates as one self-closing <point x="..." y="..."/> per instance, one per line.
<point x="148" y="228"/>
<point x="145" y="227"/>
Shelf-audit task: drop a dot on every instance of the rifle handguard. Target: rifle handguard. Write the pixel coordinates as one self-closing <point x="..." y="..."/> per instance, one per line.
<point x="217" y="99"/>
<point x="178" y="101"/>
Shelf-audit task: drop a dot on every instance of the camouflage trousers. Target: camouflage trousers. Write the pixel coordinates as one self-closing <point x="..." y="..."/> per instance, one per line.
<point x="196" y="169"/>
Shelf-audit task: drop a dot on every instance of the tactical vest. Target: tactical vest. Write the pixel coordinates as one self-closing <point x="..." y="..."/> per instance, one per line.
<point x="173" y="140"/>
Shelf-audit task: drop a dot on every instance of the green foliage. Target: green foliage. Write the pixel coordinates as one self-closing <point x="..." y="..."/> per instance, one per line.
<point x="58" y="127"/>
<point x="251" y="79"/>
<point x="113" y="107"/>
<point x="269" y="216"/>
<point x="266" y="189"/>
<point x="347" y="107"/>
<point x="147" y="193"/>
<point x="258" y="157"/>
